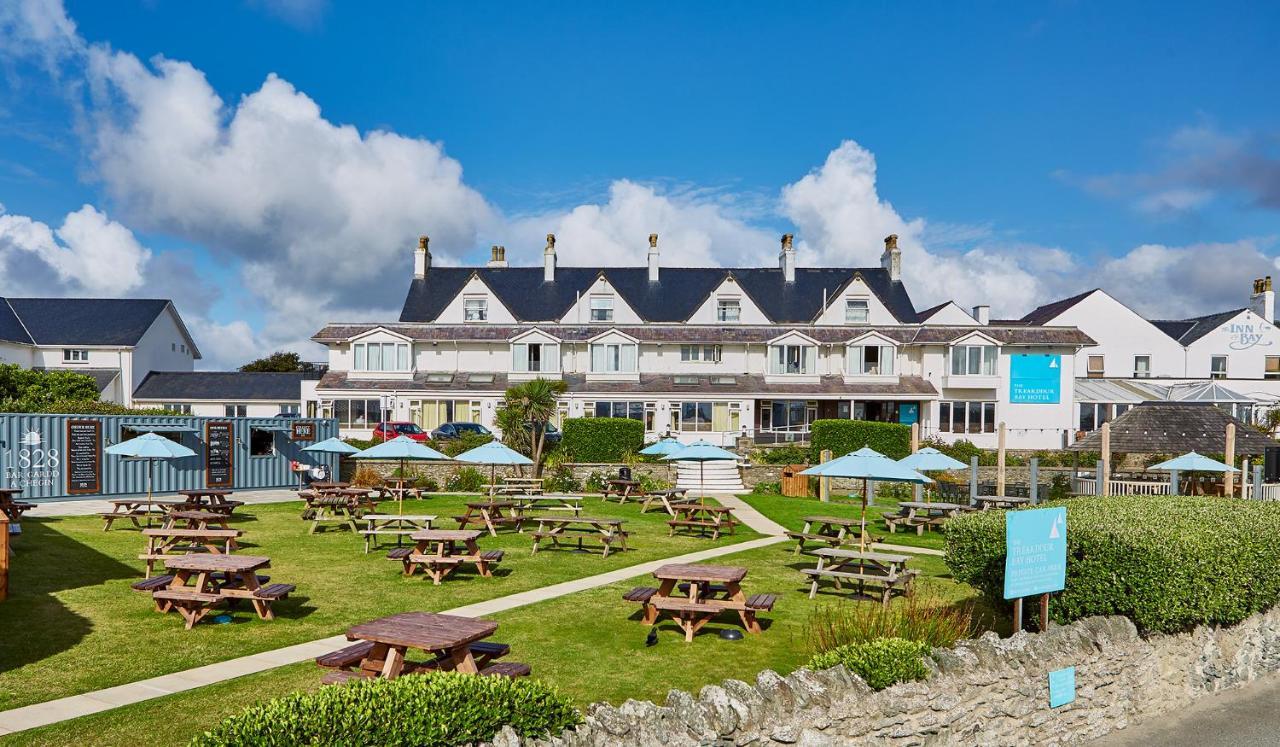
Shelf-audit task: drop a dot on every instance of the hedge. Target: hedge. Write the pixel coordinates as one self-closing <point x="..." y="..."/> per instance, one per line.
<point x="426" y="710"/>
<point x="880" y="663"/>
<point x="1167" y="563"/>
<point x="843" y="436"/>
<point x="602" y="439"/>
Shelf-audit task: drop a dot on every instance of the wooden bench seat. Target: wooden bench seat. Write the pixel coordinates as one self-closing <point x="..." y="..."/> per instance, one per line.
<point x="274" y="592"/>
<point x="152" y="584"/>
<point x="400" y="553"/>
<point x="430" y="559"/>
<point x="235" y="582"/>
<point x="762" y="601"/>
<point x="492" y="556"/>
<point x="640" y="594"/>
<point x="183" y="595"/>
<point x="345" y="657"/>
<point x="190" y="604"/>
<point x="511" y="669"/>
<point x="671" y="604"/>
<point x="707" y="589"/>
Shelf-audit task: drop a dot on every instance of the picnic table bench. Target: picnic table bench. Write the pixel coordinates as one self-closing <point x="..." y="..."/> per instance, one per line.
<point x="566" y="529"/>
<point x="883" y="570"/>
<point x="11" y="507"/>
<point x="340" y="506"/>
<point x="492" y="514"/>
<point x="136" y="508"/>
<point x="702" y="518"/>
<point x="452" y="642"/>
<point x="543" y="502"/>
<point x="921" y="515"/>
<point x="218" y="580"/>
<point x="666" y="497"/>
<point x="520" y="486"/>
<point x="211" y="500"/>
<point x="194" y="518"/>
<point x="624" y="489"/>
<point x="987" y="502"/>
<point x="436" y="552"/>
<point x="703" y="592"/>
<point x="392" y="525"/>
<point x="171" y="542"/>
<point x="830" y="531"/>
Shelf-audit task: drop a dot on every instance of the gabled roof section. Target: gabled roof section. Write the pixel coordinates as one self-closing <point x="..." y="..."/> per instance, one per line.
<point x="1050" y="311"/>
<point x="220" y="386"/>
<point x="384" y="330"/>
<point x="801" y="302"/>
<point x="1187" y="331"/>
<point x="88" y="321"/>
<point x="11" y="329"/>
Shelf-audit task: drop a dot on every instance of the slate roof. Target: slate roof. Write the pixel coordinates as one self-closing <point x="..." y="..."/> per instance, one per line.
<point x="11" y="329"/>
<point x="1187" y="331"/>
<point x="83" y="321"/>
<point x="1047" y="313"/>
<point x="1175" y="428"/>
<point x="925" y="315"/>
<point x="220" y="385"/>
<point x="677" y="294"/>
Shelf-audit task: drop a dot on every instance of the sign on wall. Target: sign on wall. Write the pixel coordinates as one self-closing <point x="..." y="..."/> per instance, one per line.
<point x="1246" y="335"/>
<point x="1035" y="379"/>
<point x="302" y="430"/>
<point x="84" y="456"/>
<point x="219" y="456"/>
<point x="908" y="413"/>
<point x="32" y="462"/>
<point x="1035" y="552"/>
<point x="1062" y="687"/>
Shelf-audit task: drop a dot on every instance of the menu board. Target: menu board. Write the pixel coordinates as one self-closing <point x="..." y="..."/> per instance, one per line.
<point x="219" y="455"/>
<point x="302" y="430"/>
<point x="84" y="456"/>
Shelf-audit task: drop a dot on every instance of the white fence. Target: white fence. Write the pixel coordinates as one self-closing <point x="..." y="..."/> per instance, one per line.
<point x="1089" y="486"/>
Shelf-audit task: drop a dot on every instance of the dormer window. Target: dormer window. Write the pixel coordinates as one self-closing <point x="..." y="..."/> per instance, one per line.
<point x="792" y="359"/>
<point x="973" y="360"/>
<point x="728" y="310"/>
<point x="856" y="311"/>
<point x="535" y="357"/>
<point x="601" y="309"/>
<point x="613" y="358"/>
<point x="870" y="360"/>
<point x="475" y="309"/>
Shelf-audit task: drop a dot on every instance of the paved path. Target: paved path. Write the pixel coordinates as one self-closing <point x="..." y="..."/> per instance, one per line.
<point x="1243" y="717"/>
<point x="93" y="506"/>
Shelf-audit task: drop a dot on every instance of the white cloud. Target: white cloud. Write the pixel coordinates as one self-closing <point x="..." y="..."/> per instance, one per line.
<point x="1175" y="282"/>
<point x="88" y="254"/>
<point x="37" y="29"/>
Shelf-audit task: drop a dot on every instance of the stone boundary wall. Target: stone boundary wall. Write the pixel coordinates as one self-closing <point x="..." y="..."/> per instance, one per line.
<point x="987" y="691"/>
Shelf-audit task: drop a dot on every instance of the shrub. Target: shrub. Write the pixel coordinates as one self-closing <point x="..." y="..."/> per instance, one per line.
<point x="366" y="477"/>
<point x="426" y="710"/>
<point x="767" y="488"/>
<point x="843" y="436"/>
<point x="455" y="446"/>
<point x="427" y="484"/>
<point x="596" y="440"/>
<point x="881" y="662"/>
<point x="560" y="479"/>
<point x="649" y="483"/>
<point x="781" y="455"/>
<point x="920" y="616"/>
<point x="1168" y="563"/>
<point x="466" y="480"/>
<point x="596" y="482"/>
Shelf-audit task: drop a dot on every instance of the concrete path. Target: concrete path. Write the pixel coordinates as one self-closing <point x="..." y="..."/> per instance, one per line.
<point x="93" y="506"/>
<point x="747" y="514"/>
<point x="53" y="711"/>
<point x="1243" y="717"/>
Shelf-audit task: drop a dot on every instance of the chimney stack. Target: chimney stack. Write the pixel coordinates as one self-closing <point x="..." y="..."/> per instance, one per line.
<point x="549" y="260"/>
<point x="1263" y="300"/>
<point x="787" y="259"/>
<point x="982" y="314"/>
<point x="891" y="260"/>
<point x="421" y="258"/>
<point x="499" y="257"/>
<point x="653" y="258"/>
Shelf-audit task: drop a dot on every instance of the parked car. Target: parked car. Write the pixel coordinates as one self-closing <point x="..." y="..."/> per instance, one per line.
<point x="456" y="430"/>
<point x="390" y="429"/>
<point x="551" y="436"/>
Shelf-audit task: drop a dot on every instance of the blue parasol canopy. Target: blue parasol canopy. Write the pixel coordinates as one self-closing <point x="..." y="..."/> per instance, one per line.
<point x="150" y="446"/>
<point x="494" y="452"/>
<point x="331" y="446"/>
<point x="662" y="448"/>
<point x="930" y="459"/>
<point x="1193" y="462"/>
<point x="701" y="451"/>
<point x="868" y="464"/>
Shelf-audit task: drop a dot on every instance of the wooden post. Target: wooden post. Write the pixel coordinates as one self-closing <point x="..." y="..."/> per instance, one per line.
<point x="1044" y="612"/>
<point x="915" y="437"/>
<point x="1017" y="614"/>
<point x="1105" y="487"/>
<point x="1229" y="456"/>
<point x="4" y="557"/>
<point x="1000" y="461"/>
<point x="824" y="483"/>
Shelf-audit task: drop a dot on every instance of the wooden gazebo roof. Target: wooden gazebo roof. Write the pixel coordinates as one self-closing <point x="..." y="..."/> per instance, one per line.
<point x="1176" y="428"/>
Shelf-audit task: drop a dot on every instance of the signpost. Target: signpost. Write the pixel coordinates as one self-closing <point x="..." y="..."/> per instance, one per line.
<point x="1035" y="558"/>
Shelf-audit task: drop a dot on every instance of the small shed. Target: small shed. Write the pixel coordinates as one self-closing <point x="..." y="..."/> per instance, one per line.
<point x="1176" y="428"/>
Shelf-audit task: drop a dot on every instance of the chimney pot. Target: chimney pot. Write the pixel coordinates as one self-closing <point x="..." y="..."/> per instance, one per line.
<point x="653" y="258"/>
<point x="787" y="259"/>
<point x="549" y="260"/>
<point x="891" y="241"/>
<point x="891" y="259"/>
<point x="421" y="257"/>
<point x="498" y="256"/>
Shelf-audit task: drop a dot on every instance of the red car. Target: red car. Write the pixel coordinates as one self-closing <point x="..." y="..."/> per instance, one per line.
<point x="389" y="430"/>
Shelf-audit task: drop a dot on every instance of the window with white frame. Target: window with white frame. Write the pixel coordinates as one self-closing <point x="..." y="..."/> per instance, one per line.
<point x="728" y="310"/>
<point x="601" y="309"/>
<point x="973" y="360"/>
<point x="290" y="408"/>
<point x="694" y="417"/>
<point x="356" y="413"/>
<point x="645" y="412"/>
<point x="1141" y="366"/>
<point x="430" y="414"/>
<point x="235" y="411"/>
<point x="793" y="359"/>
<point x="870" y="360"/>
<point x="475" y="309"/>
<point x="967" y="417"/>
<point x="1218" y="367"/>
<point x="700" y="353"/>
<point x="535" y="357"/>
<point x="176" y="407"/>
<point x="856" y="311"/>
<point x="75" y="355"/>
<point x="380" y="356"/>
<point x="613" y="357"/>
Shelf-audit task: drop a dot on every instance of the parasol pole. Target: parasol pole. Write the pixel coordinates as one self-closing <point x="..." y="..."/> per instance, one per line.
<point x="862" y="535"/>
<point x="149" y="463"/>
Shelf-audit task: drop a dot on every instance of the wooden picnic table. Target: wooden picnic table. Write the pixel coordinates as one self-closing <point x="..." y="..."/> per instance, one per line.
<point x="195" y="519"/>
<point x="523" y="485"/>
<point x="884" y="570"/>
<point x="986" y="502"/>
<point x="492" y="514"/>
<point x="921" y="515"/>
<point x="624" y="489"/>
<point x="831" y="531"/>
<point x="668" y="498"/>
<point x="570" y="503"/>
<point x="135" y="508"/>
<point x="397" y="525"/>
<point x="171" y="542"/>
<point x="454" y="643"/>
<point x="210" y="499"/>
<point x="217" y="579"/>
<point x="437" y="553"/>
<point x="567" y="529"/>
<point x="702" y="518"/>
<point x="694" y="594"/>
<point x="12" y="508"/>
<point x="340" y="506"/>
<point x="328" y="485"/>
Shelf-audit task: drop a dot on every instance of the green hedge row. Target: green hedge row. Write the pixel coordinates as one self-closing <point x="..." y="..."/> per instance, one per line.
<point x="602" y="439"/>
<point x="1167" y="563"/>
<point x="426" y="710"/>
<point x="880" y="663"/>
<point x="843" y="436"/>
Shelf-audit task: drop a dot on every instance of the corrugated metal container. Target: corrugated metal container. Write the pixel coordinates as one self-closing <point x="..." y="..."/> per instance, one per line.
<point x="35" y="455"/>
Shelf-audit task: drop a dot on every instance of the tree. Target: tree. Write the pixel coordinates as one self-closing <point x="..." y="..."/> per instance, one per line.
<point x="524" y="413"/>
<point x="26" y="390"/>
<point x="278" y="362"/>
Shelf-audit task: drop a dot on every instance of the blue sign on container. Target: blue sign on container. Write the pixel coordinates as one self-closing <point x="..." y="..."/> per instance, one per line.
<point x="1035" y="552"/>
<point x="1035" y="379"/>
<point x="1062" y="687"/>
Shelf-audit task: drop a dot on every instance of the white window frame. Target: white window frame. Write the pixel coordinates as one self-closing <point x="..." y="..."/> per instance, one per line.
<point x="75" y="355"/>
<point x="548" y="357"/>
<point x="1140" y="372"/>
<point x="363" y="357"/>
<point x="780" y="359"/>
<point x="475" y="309"/>
<point x="856" y="360"/>
<point x="691" y="353"/>
<point x="1214" y="373"/>
<point x="613" y="357"/>
<point x="963" y="356"/>
<point x="601" y="309"/>
<point x="728" y="310"/>
<point x="855" y="315"/>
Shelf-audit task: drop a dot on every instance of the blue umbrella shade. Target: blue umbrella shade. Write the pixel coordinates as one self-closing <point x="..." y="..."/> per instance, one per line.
<point x="930" y="459"/>
<point x="701" y="451"/>
<point x="331" y="446"/>
<point x="868" y="464"/>
<point x="150" y="446"/>
<point x="1193" y="462"/>
<point x="494" y="452"/>
<point x="401" y="447"/>
<point x="662" y="448"/>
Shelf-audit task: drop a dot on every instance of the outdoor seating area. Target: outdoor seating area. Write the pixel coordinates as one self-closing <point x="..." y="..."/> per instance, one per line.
<point x="825" y="531"/>
<point x="572" y="532"/>
<point x="884" y="573"/>
<point x="921" y="515"/>
<point x="491" y="515"/>
<point x="439" y="552"/>
<point x="399" y="526"/>
<point x="693" y="595"/>
<point x="702" y="519"/>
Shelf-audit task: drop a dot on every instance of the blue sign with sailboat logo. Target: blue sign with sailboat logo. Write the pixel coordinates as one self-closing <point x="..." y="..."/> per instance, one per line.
<point x="1035" y="552"/>
<point x="1035" y="379"/>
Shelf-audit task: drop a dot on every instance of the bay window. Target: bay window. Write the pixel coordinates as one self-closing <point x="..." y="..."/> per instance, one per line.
<point x="693" y="417"/>
<point x="380" y="356"/>
<point x="973" y="360"/>
<point x="792" y="359"/>
<point x="613" y="358"/>
<point x="870" y="360"/>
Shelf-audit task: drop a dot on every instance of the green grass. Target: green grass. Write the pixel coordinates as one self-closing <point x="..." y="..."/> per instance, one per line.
<point x="790" y="513"/>
<point x="590" y="645"/>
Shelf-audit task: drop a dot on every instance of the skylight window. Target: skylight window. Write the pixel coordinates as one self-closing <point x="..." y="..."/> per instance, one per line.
<point x="685" y="380"/>
<point x="481" y="378"/>
<point x="439" y="378"/>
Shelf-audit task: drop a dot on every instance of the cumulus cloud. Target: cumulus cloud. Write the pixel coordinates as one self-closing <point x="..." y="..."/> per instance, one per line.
<point x="88" y="254"/>
<point x="1171" y="282"/>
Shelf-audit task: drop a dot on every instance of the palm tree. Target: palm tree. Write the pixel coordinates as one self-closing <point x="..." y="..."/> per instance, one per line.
<point x="523" y="416"/>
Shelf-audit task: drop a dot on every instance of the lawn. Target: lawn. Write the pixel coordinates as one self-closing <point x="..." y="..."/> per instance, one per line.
<point x="589" y="644"/>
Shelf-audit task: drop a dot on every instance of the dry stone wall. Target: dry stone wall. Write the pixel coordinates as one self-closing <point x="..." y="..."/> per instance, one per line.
<point x="988" y="691"/>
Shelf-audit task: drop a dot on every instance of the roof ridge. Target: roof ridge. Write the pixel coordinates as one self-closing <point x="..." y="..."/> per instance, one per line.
<point x="23" y="324"/>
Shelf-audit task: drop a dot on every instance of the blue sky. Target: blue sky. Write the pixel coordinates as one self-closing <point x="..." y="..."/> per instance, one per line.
<point x="1025" y="151"/>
